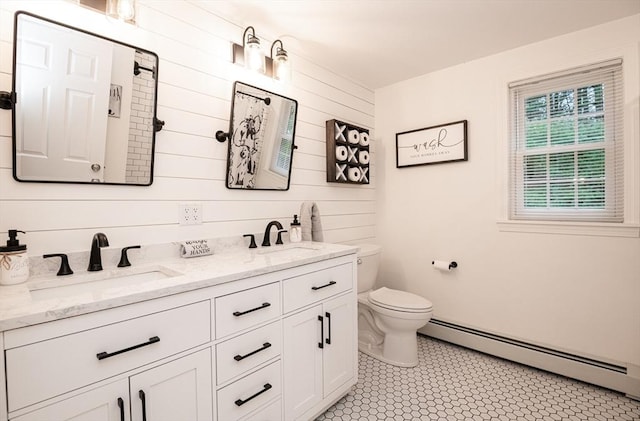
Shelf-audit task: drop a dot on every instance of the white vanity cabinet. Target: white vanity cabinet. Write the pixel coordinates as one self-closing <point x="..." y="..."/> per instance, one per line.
<point x="274" y="345"/>
<point x="179" y="389"/>
<point x="320" y="341"/>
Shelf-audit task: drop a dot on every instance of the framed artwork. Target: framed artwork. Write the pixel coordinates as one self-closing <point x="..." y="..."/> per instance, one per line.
<point x="432" y="145"/>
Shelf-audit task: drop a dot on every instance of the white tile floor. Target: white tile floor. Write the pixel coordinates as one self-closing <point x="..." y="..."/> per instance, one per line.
<point x="455" y="383"/>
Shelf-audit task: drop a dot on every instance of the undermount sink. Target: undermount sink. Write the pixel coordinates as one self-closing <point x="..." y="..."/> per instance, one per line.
<point x="294" y="249"/>
<point x="97" y="281"/>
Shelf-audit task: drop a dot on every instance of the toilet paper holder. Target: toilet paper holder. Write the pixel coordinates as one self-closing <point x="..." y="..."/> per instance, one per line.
<point x="452" y="265"/>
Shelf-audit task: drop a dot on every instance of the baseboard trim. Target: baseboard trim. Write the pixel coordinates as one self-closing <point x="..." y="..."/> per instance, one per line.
<point x="599" y="373"/>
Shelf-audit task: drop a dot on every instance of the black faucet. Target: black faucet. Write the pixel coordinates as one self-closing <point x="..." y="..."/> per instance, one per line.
<point x="267" y="232"/>
<point x="95" y="261"/>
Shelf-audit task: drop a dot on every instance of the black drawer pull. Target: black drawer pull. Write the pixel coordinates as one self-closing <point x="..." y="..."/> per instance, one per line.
<point x="143" y="398"/>
<point x="328" y="316"/>
<point x="103" y="355"/>
<point x="242" y="357"/>
<point x="121" y="406"/>
<point x="266" y="387"/>
<point x="324" y="286"/>
<point x="242" y="313"/>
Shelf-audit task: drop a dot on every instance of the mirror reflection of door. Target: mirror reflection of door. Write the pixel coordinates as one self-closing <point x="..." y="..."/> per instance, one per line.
<point x="86" y="106"/>
<point x="65" y="76"/>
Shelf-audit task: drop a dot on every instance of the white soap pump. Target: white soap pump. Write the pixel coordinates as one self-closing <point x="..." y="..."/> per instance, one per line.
<point x="295" y="233"/>
<point x="14" y="262"/>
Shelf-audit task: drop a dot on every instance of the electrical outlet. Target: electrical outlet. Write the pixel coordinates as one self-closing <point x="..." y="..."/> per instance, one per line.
<point x="190" y="214"/>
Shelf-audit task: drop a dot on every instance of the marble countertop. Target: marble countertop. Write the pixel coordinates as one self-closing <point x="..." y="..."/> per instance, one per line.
<point x="29" y="303"/>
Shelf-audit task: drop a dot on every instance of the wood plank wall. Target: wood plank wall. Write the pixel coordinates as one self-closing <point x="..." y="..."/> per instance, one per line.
<point x="196" y="76"/>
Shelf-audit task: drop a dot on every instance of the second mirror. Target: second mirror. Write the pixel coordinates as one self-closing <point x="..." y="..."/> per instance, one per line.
<point x="261" y="139"/>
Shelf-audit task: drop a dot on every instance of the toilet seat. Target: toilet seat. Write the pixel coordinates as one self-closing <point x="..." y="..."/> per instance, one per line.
<point x="392" y="299"/>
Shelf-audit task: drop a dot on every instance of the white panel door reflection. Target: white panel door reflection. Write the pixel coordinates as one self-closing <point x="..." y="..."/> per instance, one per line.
<point x="66" y="78"/>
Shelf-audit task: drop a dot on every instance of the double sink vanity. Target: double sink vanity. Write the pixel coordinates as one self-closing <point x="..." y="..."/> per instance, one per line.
<point x="243" y="334"/>
<point x="263" y="334"/>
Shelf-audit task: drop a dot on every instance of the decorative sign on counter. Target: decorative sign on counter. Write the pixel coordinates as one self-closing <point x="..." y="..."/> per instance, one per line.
<point x="432" y="145"/>
<point x="347" y="153"/>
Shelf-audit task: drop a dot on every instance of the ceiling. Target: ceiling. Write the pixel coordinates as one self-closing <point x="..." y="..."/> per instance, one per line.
<point x="381" y="42"/>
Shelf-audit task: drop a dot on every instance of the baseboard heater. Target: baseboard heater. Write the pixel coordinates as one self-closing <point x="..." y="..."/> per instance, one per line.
<point x="593" y="371"/>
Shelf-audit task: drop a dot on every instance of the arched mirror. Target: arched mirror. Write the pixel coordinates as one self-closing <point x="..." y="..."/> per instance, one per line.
<point x="85" y="106"/>
<point x="261" y="139"/>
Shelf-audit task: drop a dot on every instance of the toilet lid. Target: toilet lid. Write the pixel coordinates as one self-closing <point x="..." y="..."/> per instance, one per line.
<point x="399" y="300"/>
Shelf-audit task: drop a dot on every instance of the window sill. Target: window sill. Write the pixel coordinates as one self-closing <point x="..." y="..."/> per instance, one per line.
<point x="571" y="228"/>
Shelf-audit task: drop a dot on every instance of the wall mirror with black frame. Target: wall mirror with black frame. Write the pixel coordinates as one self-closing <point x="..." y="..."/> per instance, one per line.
<point x="261" y="139"/>
<point x="84" y="108"/>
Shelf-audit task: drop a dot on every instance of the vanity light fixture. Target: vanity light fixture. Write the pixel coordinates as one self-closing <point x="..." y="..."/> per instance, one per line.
<point x="280" y="65"/>
<point x="249" y="53"/>
<point x="124" y="10"/>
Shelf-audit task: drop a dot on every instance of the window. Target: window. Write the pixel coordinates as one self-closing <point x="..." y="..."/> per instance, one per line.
<point x="281" y="160"/>
<point x="566" y="149"/>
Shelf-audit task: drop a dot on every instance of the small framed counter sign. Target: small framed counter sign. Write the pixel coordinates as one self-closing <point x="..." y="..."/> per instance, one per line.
<point x="432" y="145"/>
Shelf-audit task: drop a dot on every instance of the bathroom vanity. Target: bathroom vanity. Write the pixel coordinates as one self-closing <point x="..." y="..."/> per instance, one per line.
<point x="265" y="334"/>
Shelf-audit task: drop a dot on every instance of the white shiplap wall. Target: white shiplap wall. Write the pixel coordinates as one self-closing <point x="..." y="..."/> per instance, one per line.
<point x="195" y="83"/>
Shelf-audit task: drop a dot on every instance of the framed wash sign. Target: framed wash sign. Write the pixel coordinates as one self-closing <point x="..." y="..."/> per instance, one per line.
<point x="432" y="145"/>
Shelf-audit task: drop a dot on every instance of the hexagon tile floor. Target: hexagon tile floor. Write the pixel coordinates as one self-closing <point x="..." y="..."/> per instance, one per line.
<point x="456" y="383"/>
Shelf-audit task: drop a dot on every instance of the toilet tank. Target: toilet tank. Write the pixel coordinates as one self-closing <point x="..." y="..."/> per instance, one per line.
<point x="368" y="263"/>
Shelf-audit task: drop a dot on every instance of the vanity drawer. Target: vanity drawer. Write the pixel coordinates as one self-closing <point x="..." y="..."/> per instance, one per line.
<point x="244" y="309"/>
<point x="249" y="393"/>
<point x="242" y="353"/>
<point x="272" y="412"/>
<point x="316" y="286"/>
<point x="41" y="370"/>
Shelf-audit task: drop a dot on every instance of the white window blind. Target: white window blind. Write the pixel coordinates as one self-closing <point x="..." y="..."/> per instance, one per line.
<point x="566" y="148"/>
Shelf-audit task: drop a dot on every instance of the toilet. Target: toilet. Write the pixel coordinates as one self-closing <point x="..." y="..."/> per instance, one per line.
<point x="387" y="318"/>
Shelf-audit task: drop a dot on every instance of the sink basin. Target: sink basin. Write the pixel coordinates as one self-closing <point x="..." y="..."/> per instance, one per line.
<point x="97" y="282"/>
<point x="287" y="248"/>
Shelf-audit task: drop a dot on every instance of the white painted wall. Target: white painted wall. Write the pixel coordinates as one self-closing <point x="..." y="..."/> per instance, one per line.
<point x="195" y="87"/>
<point x="579" y="293"/>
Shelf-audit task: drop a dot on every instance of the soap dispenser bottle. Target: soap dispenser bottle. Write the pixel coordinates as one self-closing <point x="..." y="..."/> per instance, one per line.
<point x="14" y="262"/>
<point x="295" y="233"/>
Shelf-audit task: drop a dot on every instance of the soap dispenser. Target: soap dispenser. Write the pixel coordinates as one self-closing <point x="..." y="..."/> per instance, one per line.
<point x="295" y="233"/>
<point x="14" y="262"/>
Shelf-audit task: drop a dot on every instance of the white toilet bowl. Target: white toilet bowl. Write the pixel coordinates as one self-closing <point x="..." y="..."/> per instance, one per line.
<point x="387" y="319"/>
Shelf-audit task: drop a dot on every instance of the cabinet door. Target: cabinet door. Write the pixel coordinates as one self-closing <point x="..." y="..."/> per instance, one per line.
<point x="339" y="354"/>
<point x="178" y="390"/>
<point x="302" y="359"/>
<point x="106" y="403"/>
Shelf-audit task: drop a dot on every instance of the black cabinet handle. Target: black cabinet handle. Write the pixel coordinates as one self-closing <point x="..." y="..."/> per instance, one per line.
<point x="65" y="269"/>
<point x="121" y="406"/>
<point x="143" y="398"/>
<point x="124" y="259"/>
<point x="328" y="316"/>
<point x="324" y="286"/>
<point x="241" y="402"/>
<point x="103" y="355"/>
<point x="321" y="344"/>
<point x="242" y="313"/>
<point x="242" y="357"/>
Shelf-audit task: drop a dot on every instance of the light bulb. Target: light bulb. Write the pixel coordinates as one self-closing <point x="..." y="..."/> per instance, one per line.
<point x="126" y="9"/>
<point x="281" y="66"/>
<point x="253" y="56"/>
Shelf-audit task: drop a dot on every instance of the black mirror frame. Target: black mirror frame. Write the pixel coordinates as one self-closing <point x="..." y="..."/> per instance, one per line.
<point x="8" y="100"/>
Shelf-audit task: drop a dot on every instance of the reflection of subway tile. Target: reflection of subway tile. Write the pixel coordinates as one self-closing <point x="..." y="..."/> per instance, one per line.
<point x="455" y="383"/>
